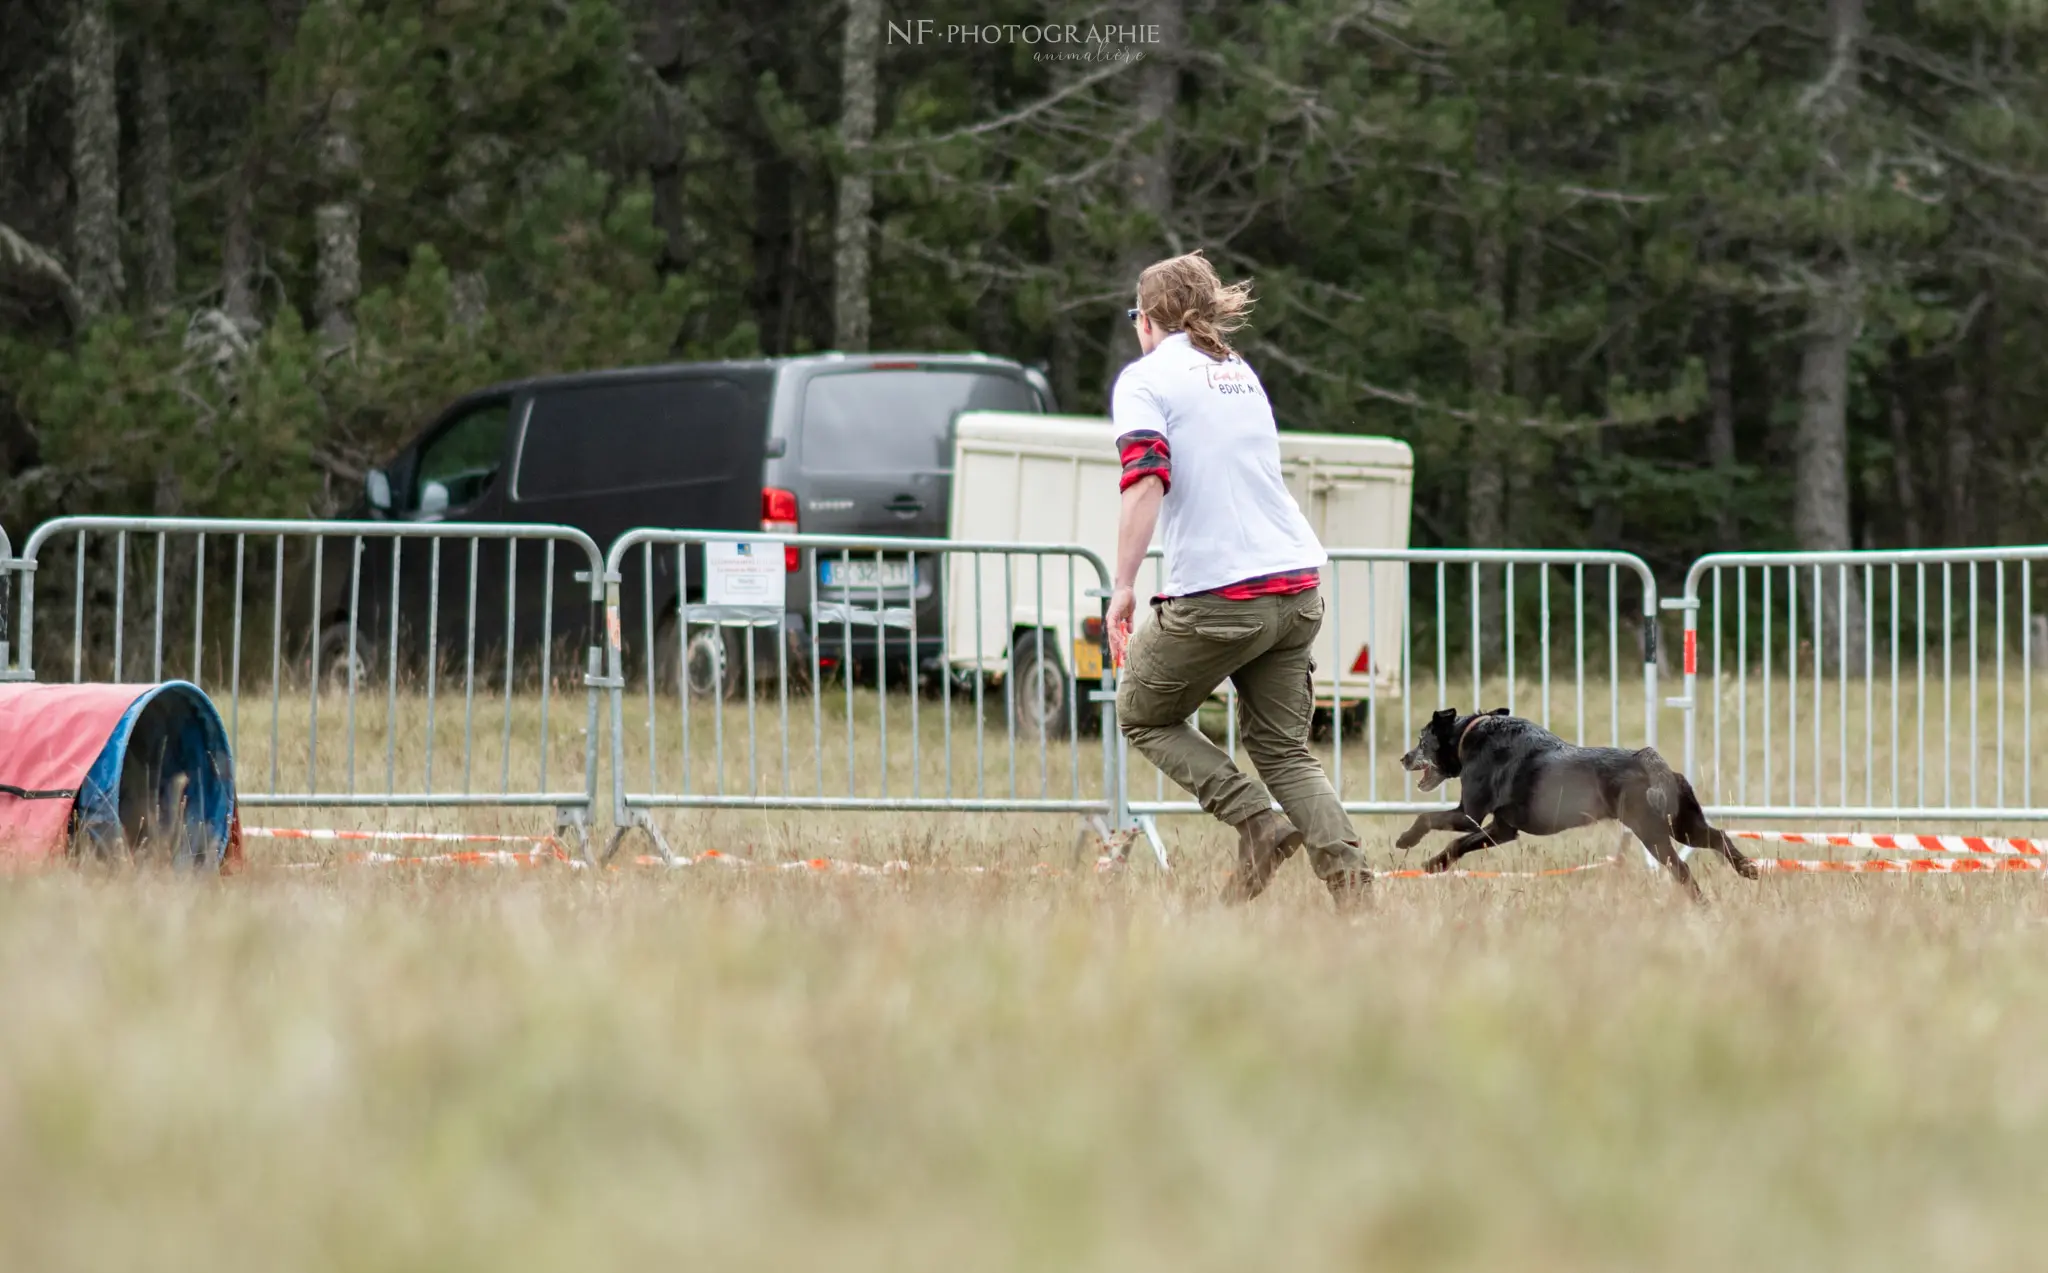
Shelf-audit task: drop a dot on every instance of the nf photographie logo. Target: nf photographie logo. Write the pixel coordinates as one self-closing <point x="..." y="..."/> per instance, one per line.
<point x="1050" y="41"/>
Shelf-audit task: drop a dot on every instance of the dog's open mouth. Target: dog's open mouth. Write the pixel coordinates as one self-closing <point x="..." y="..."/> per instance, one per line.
<point x="1429" y="780"/>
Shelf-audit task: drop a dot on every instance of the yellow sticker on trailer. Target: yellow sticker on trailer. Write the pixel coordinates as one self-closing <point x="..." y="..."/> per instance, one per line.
<point x="1087" y="660"/>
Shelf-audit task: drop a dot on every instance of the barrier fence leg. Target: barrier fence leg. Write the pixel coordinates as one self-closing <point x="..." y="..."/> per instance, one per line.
<point x="573" y="824"/>
<point x="1095" y="828"/>
<point x="1689" y="607"/>
<point x="1150" y="825"/>
<point x="1120" y="831"/>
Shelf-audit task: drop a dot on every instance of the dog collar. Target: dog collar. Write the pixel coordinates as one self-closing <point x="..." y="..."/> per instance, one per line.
<point x="1467" y="731"/>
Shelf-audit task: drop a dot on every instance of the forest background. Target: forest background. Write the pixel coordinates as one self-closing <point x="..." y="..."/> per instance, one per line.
<point x="1673" y="277"/>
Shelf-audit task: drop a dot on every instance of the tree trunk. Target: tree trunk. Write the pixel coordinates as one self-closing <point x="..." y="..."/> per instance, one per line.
<point x="773" y="238"/>
<point x="1959" y="462"/>
<point x="338" y="221"/>
<point x="1062" y="218"/>
<point x="1486" y="472"/>
<point x="853" y="230"/>
<point x="1721" y="424"/>
<point x="471" y="299"/>
<point x="660" y="46"/>
<point x="1820" y="514"/>
<point x="1820" y="518"/>
<point x="1989" y="489"/>
<point x="1148" y="178"/>
<point x="238" y="250"/>
<point x="238" y="246"/>
<point x="1075" y="269"/>
<point x="1904" y="489"/>
<point x="1524" y="380"/>
<point x="154" y="164"/>
<point x="95" y="158"/>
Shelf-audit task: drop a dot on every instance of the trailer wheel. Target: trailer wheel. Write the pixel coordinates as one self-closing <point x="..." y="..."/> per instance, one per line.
<point x="1040" y="687"/>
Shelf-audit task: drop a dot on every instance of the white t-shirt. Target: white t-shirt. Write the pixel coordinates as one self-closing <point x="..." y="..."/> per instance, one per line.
<point x="1227" y="516"/>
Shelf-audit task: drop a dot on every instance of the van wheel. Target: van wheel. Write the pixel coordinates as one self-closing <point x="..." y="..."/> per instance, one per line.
<point x="331" y="658"/>
<point x="1040" y="688"/>
<point x="713" y="658"/>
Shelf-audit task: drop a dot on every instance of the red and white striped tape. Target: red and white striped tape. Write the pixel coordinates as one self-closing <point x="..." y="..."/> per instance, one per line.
<point x="1993" y="845"/>
<point x="1494" y="875"/>
<point x="1988" y="854"/>
<point x="408" y="837"/>
<point x="498" y="857"/>
<point x="547" y="850"/>
<point x="1902" y="866"/>
<point x="833" y="866"/>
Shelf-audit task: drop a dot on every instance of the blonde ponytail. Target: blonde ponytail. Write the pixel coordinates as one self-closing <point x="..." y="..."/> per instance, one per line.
<point x="1184" y="294"/>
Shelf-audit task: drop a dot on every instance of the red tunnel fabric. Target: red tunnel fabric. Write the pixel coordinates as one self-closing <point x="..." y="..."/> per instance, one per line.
<point x="49" y="737"/>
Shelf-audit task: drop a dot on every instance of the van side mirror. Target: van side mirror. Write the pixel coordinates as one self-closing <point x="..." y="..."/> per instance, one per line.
<point x="377" y="488"/>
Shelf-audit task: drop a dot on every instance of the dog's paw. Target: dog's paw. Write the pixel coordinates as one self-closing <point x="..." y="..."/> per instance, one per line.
<point x="1410" y="838"/>
<point x="1438" y="864"/>
<point x="1748" y="869"/>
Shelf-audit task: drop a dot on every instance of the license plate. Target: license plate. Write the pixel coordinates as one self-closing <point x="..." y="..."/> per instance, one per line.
<point x="1087" y="660"/>
<point x="864" y="574"/>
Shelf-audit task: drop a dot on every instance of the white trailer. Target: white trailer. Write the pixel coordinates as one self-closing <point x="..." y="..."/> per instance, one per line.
<point x="1021" y="478"/>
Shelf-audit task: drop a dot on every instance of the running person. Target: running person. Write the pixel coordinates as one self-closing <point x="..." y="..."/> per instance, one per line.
<point x="1201" y="458"/>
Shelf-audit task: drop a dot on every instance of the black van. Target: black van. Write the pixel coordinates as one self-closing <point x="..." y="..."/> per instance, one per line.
<point x="851" y="444"/>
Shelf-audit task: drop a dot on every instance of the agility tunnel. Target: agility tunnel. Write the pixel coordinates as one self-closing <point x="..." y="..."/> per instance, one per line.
<point x="114" y="771"/>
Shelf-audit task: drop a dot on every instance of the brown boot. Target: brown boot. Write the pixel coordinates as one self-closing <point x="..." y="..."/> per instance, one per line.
<point x="1264" y="841"/>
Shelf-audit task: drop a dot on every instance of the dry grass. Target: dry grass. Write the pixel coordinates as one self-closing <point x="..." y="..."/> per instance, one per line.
<point x="355" y="1068"/>
<point x="545" y="1070"/>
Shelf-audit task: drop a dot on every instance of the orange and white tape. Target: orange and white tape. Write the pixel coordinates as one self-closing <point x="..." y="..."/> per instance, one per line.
<point x="555" y="856"/>
<point x="1994" y="845"/>
<point x="406" y="837"/>
<point x="1494" y="875"/>
<point x="547" y="850"/>
<point x="832" y="866"/>
<point x="1903" y="866"/>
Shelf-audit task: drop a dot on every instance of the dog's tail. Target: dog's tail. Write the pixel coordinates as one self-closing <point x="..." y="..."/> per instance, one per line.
<point x="1660" y="786"/>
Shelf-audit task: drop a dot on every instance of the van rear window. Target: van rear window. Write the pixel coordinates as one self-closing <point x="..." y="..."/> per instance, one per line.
<point x="897" y="421"/>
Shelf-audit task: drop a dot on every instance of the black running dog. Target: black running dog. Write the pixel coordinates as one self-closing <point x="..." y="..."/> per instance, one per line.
<point x="1530" y="780"/>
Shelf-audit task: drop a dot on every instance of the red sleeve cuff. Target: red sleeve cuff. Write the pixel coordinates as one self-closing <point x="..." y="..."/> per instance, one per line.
<point x="1145" y="454"/>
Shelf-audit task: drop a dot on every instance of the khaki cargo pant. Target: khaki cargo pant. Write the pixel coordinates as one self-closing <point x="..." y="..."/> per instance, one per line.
<point x="1191" y="646"/>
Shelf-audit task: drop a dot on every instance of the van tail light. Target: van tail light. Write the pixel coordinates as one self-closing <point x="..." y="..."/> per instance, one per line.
<point x="778" y="517"/>
<point x="1362" y="665"/>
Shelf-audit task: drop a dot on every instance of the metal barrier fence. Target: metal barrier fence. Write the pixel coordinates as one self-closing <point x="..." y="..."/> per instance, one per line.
<point x="1931" y="656"/>
<point x="965" y="676"/>
<point x="352" y="635"/>
<point x="1886" y="685"/>
<point x="11" y="668"/>
<point x="1408" y="631"/>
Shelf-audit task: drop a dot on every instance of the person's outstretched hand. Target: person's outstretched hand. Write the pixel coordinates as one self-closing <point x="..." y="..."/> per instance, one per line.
<point x="1123" y="607"/>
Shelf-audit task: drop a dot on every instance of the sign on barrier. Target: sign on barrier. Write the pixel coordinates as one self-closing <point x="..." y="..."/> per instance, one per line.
<point x="854" y="688"/>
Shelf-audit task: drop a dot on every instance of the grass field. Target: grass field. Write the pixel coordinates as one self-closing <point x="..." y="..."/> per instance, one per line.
<point x="365" y="1068"/>
<point x="550" y="1070"/>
